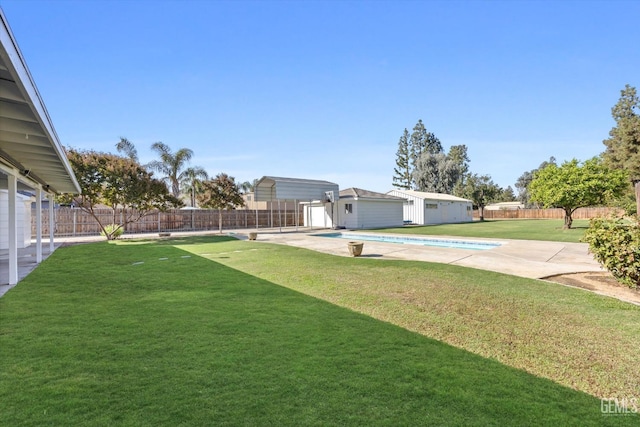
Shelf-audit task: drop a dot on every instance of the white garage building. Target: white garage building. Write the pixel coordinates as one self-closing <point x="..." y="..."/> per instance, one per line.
<point x="355" y="209"/>
<point x="434" y="208"/>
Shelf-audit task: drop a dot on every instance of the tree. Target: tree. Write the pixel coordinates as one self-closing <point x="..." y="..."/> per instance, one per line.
<point x="506" y="195"/>
<point x="440" y="173"/>
<point x="402" y="171"/>
<point x="191" y="182"/>
<point x="422" y="141"/>
<point x="573" y="185"/>
<point x="522" y="184"/>
<point x="623" y="144"/>
<point x="119" y="183"/>
<point x="220" y="193"/>
<point x="480" y="189"/>
<point x="248" y="186"/>
<point x="127" y="148"/>
<point x="459" y="155"/>
<point x="171" y="164"/>
<point x="434" y="173"/>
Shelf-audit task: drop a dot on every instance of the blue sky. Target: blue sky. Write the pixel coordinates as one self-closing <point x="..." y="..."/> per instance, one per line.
<point x="324" y="89"/>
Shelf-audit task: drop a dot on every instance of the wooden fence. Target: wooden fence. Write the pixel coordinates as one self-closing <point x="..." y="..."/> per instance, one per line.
<point x="75" y="222"/>
<point x="581" y="213"/>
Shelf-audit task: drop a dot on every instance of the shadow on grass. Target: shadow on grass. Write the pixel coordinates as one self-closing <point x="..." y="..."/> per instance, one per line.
<point x="152" y="334"/>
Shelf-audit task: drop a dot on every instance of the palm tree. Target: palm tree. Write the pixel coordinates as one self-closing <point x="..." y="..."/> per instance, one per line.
<point x="171" y="164"/>
<point x="245" y="187"/>
<point x="127" y="148"/>
<point x="191" y="182"/>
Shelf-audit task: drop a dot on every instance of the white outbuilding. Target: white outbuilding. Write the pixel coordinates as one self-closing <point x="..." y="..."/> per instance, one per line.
<point x="355" y="209"/>
<point x="424" y="208"/>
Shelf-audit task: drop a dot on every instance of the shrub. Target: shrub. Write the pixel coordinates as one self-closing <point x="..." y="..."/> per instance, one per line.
<point x="112" y="231"/>
<point x="615" y="243"/>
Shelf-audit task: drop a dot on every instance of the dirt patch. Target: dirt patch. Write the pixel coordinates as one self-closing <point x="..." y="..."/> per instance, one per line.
<point x="599" y="282"/>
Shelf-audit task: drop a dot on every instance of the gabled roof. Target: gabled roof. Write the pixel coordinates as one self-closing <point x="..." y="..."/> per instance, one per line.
<point x="28" y="140"/>
<point x="360" y="194"/>
<point x="430" y="196"/>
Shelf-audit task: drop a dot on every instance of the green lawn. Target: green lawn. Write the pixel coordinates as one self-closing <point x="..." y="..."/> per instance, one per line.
<point x="213" y="331"/>
<point x="524" y="229"/>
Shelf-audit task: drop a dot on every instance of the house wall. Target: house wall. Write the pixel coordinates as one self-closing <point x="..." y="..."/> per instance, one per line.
<point x="505" y="206"/>
<point x="369" y="214"/>
<point x="23" y="219"/>
<point x="377" y="214"/>
<point x="433" y="211"/>
<point x="317" y="215"/>
<point x="412" y="209"/>
<point x="454" y="212"/>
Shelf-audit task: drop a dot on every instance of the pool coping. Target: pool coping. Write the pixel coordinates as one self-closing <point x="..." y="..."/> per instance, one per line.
<point x="490" y="244"/>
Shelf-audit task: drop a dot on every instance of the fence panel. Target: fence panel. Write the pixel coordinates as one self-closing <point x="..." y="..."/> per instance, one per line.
<point x="75" y="222"/>
<point x="581" y="213"/>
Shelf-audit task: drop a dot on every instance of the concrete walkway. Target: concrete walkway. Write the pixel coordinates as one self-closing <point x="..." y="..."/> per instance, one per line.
<point x="525" y="258"/>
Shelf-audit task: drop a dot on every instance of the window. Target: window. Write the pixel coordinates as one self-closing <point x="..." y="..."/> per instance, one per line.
<point x="348" y="208"/>
<point x="431" y="206"/>
<point x="408" y="202"/>
<point x="468" y="208"/>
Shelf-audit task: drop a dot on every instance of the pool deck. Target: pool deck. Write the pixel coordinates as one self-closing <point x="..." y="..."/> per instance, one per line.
<point x="525" y="258"/>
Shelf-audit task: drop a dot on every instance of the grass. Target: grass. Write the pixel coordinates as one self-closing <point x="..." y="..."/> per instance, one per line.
<point x="522" y="229"/>
<point x="217" y="331"/>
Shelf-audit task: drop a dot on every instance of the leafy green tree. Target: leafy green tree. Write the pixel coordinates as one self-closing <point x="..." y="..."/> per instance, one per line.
<point x="191" y="182"/>
<point x="119" y="183"/>
<point x="573" y="185"/>
<point x="623" y="144"/>
<point x="171" y="165"/>
<point x="220" y="193"/>
<point x="480" y="189"/>
<point x="522" y="184"/>
<point x="402" y="171"/>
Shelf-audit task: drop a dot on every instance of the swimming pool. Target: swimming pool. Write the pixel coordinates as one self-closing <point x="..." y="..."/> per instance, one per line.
<point x="423" y="241"/>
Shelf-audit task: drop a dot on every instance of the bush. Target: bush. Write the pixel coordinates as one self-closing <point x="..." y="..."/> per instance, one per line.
<point x="112" y="231"/>
<point x="615" y="243"/>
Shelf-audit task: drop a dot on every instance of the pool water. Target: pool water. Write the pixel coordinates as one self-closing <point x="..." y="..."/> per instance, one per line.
<point x="443" y="243"/>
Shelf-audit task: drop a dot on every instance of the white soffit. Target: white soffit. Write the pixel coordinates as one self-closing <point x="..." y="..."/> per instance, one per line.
<point x="28" y="140"/>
